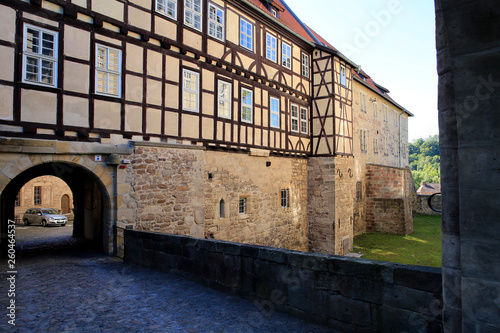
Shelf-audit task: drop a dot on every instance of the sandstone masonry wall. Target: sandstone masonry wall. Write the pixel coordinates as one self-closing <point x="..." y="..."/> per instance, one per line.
<point x="388" y="200"/>
<point x="344" y="201"/>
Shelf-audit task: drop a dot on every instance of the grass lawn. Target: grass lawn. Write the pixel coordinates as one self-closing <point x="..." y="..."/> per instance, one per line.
<point x="422" y="247"/>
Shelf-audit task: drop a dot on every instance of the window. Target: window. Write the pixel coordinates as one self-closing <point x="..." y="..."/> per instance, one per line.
<point x="386" y="147"/>
<point x="286" y="55"/>
<point x="342" y="76"/>
<point x="246" y="34"/>
<point x="375" y="145"/>
<point x="222" y="209"/>
<point x="275" y="12"/>
<point x="359" y="191"/>
<point x="190" y="89"/>
<point x="246" y="105"/>
<point x="242" y="209"/>
<point x="271" y="47"/>
<point x="167" y="8"/>
<point x="295" y="118"/>
<point x="362" y="102"/>
<point x="395" y="114"/>
<point x="362" y="140"/>
<point x="385" y="113"/>
<point x="285" y="198"/>
<point x="305" y="65"/>
<point x="275" y="112"/>
<point x="224" y="110"/>
<point x="192" y="14"/>
<point x="375" y="109"/>
<point x="303" y="120"/>
<point x="108" y="70"/>
<point x="39" y="56"/>
<point x="37" y="195"/>
<point x="17" y="202"/>
<point x="215" y="22"/>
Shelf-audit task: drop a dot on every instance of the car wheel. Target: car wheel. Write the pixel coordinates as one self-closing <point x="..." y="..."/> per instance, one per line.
<point x="44" y="223"/>
<point x="26" y="222"/>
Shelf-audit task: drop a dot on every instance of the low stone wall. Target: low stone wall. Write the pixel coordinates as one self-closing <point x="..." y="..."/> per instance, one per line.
<point x="348" y="294"/>
<point x="391" y="216"/>
<point x="421" y="205"/>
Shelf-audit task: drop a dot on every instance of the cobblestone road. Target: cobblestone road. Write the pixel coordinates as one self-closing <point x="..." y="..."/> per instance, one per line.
<point x="62" y="286"/>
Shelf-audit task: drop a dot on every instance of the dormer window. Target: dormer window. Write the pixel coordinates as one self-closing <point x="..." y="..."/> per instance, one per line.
<point x="275" y="12"/>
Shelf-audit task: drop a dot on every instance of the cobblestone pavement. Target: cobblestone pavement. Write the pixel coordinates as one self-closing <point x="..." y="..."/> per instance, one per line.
<point x="64" y="286"/>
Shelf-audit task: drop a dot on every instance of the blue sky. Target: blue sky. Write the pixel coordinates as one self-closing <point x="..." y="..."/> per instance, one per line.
<point x="392" y="40"/>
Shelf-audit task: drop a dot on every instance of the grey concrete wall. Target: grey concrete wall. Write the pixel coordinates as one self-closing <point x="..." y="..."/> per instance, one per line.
<point x="468" y="50"/>
<point x="348" y="294"/>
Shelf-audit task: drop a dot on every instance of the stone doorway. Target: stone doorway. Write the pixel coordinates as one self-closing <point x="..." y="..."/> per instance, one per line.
<point x="90" y="199"/>
<point x="65" y="204"/>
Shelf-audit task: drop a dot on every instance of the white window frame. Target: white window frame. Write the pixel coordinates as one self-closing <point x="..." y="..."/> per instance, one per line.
<point x="305" y="65"/>
<point x="286" y="55"/>
<point x="274" y="112"/>
<point x="343" y="76"/>
<point x="224" y="99"/>
<point x="109" y="72"/>
<point x="285" y="198"/>
<point x="213" y="22"/>
<point x="303" y="121"/>
<point x="375" y="109"/>
<point x="40" y="57"/>
<point x="271" y="47"/>
<point x="162" y="7"/>
<point x="295" y="118"/>
<point x="246" y="38"/>
<point x="363" y="141"/>
<point x="362" y="102"/>
<point x="246" y="105"/>
<point x="190" y="90"/>
<point x="190" y="11"/>
<point x="395" y="113"/>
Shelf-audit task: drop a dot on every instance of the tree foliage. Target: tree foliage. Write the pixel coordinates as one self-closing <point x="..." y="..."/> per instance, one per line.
<point x="425" y="160"/>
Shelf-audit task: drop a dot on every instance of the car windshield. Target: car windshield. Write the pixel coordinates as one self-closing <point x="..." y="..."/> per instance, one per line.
<point x="50" y="211"/>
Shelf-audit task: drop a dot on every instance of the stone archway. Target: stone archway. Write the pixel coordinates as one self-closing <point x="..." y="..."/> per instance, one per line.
<point x="90" y="197"/>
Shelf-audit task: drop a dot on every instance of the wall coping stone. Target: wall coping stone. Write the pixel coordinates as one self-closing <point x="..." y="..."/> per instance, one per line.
<point x="387" y="166"/>
<point x="36" y="146"/>
<point x="166" y="145"/>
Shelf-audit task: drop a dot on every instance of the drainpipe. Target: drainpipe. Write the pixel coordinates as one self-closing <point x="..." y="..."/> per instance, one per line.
<point x="114" y="160"/>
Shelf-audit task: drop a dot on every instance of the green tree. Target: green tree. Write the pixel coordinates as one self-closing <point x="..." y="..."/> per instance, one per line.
<point x="425" y="160"/>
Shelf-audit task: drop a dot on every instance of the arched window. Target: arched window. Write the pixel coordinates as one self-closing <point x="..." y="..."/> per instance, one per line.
<point x="358" y="191"/>
<point x="222" y="209"/>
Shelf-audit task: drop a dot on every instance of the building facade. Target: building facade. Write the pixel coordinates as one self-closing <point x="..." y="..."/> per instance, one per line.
<point x="226" y="119"/>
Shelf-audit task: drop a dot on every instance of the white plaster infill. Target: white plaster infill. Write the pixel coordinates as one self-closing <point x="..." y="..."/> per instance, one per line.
<point x="34" y="146"/>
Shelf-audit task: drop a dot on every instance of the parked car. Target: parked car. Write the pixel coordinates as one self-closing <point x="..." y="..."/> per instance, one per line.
<point x="44" y="216"/>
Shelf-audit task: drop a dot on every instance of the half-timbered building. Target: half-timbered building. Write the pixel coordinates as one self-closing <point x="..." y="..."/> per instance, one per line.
<point x="229" y="119"/>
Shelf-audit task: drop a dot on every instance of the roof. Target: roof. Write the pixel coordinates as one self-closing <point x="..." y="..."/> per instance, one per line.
<point x="429" y="188"/>
<point x="291" y="21"/>
<point x="364" y="78"/>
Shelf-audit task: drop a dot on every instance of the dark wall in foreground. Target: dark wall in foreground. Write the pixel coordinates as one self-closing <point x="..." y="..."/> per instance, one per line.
<point x="349" y="294"/>
<point x="468" y="53"/>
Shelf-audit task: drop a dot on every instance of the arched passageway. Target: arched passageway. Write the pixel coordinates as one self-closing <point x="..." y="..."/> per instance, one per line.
<point x="90" y="198"/>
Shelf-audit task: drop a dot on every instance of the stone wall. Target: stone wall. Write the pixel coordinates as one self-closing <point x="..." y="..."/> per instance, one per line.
<point x="259" y="179"/>
<point x="421" y="205"/>
<point x="53" y="189"/>
<point x="348" y="294"/>
<point x="388" y="200"/>
<point x="167" y="185"/>
<point x="178" y="189"/>
<point x="344" y="200"/>
<point x="321" y="204"/>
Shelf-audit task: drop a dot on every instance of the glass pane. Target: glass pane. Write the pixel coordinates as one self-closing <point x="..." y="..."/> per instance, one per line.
<point x="32" y="40"/>
<point x="113" y="60"/>
<point x="48" y="44"/>
<point x="101" y="58"/>
<point x="47" y="72"/>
